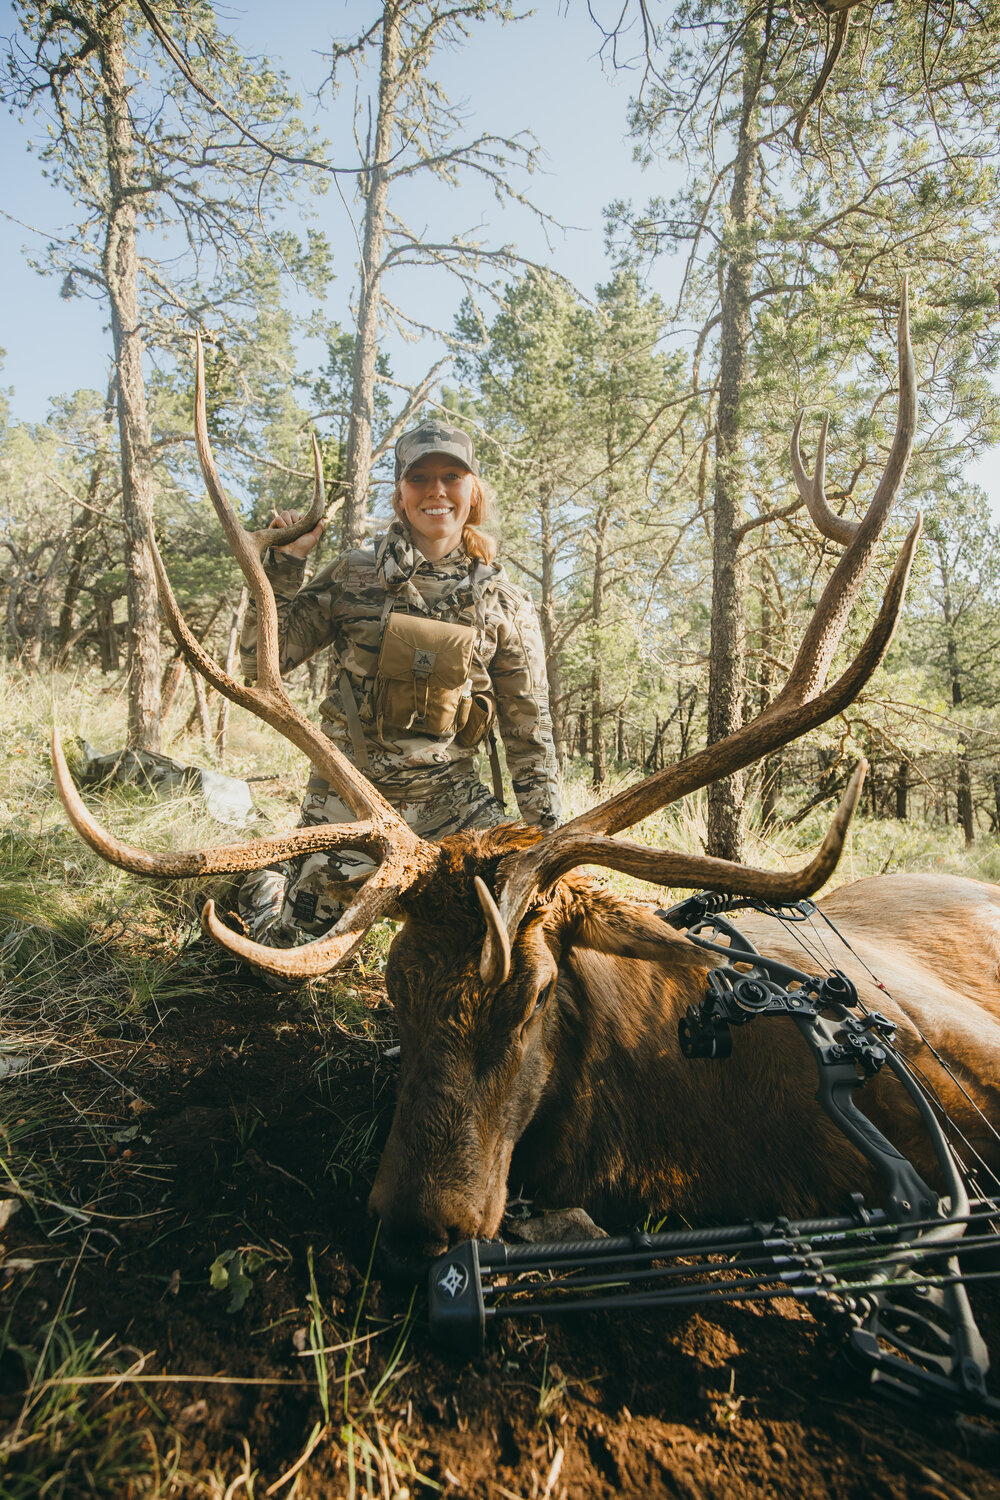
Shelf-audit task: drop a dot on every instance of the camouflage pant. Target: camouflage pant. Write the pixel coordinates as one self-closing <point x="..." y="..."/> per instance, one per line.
<point x="290" y="903"/>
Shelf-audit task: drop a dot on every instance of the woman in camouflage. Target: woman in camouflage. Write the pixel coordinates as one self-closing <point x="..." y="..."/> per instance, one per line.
<point x="434" y="644"/>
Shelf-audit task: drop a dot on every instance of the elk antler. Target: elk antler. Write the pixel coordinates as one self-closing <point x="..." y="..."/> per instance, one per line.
<point x="380" y="832"/>
<point x="799" y="707"/>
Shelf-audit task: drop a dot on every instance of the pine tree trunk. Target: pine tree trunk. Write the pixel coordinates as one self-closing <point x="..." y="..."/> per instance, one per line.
<point x="727" y="653"/>
<point x="966" y="815"/>
<point x="547" y="620"/>
<point x="770" y="779"/>
<point x="232" y="649"/>
<point x="83" y="525"/>
<point x="171" y="682"/>
<point x="598" y="762"/>
<point x="121" y="275"/>
<point x="107" y="637"/>
<point x="964" y="792"/>
<point x="357" y="467"/>
<point x="902" y="789"/>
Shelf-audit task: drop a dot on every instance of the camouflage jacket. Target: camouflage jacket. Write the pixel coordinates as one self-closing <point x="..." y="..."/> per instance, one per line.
<point x="343" y="606"/>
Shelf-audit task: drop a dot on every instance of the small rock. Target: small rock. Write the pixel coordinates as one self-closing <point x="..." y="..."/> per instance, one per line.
<point x="778" y="1452"/>
<point x="566" y="1224"/>
<point x="191" y="1415"/>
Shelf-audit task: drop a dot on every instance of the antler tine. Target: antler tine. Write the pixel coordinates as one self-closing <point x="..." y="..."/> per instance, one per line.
<point x="376" y="898"/>
<point x="799" y="706"/>
<point x="276" y="708"/>
<point x="812" y="488"/>
<point x="521" y="875"/>
<point x="494" y="962"/>
<point x="247" y="547"/>
<point x="823" y="633"/>
<point x="381" y="832"/>
<point x="560" y="851"/>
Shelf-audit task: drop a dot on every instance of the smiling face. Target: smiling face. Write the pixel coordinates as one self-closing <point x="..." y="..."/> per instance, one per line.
<point x="435" y="498"/>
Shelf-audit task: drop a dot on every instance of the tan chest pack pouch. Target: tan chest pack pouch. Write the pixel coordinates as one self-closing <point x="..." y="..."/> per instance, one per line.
<point x="423" y="680"/>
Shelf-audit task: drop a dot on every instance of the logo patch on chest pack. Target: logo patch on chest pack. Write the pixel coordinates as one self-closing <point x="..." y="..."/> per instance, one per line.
<point x="304" y="909"/>
<point x="423" y="661"/>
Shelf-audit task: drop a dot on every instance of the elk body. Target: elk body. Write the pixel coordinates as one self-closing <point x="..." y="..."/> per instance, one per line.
<point x="568" y="1082"/>
<point x="538" y="1014"/>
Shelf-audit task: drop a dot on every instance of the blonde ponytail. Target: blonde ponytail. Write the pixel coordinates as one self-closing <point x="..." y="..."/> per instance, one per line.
<point x="476" y="541"/>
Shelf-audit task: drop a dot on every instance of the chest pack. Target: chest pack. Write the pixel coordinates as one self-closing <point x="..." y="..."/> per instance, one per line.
<point x="423" y="683"/>
<point x="423" y="680"/>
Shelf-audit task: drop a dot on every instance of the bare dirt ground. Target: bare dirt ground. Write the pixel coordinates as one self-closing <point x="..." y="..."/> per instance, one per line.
<point x="233" y="1137"/>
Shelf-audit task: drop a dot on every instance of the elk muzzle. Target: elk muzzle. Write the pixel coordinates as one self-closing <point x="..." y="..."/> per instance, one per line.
<point x="442" y="1179"/>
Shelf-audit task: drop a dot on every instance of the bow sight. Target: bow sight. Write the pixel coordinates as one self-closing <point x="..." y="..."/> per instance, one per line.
<point x="891" y="1276"/>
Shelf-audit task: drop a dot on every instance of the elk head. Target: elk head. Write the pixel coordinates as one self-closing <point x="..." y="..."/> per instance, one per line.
<point x="477" y="974"/>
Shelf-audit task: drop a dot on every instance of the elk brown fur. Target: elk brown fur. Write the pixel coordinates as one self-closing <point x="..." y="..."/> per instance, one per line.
<point x="568" y="1082"/>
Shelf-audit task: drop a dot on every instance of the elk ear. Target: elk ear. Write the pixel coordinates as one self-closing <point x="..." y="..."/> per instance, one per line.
<point x="607" y="925"/>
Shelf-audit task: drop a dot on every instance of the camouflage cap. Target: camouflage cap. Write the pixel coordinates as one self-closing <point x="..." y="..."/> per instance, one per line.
<point x="434" y="437"/>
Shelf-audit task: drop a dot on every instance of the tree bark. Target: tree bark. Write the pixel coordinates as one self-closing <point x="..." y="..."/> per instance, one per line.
<point x="201" y="710"/>
<point x="598" y="762"/>
<point x="107" y="635"/>
<point x="171" y="682"/>
<point x="235" y="627"/>
<point x="902" y="790"/>
<point x="357" y="468"/>
<point x="547" y="620"/>
<point x="964" y="806"/>
<point x="727" y="655"/>
<point x="770" y="776"/>
<point x="83" y="525"/>
<point x="121" y="275"/>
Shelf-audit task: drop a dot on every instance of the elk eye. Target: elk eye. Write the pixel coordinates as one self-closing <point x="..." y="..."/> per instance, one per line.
<point x="543" y="997"/>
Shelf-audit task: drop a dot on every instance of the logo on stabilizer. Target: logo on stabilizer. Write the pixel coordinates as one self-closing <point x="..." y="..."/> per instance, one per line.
<point x="453" y="1279"/>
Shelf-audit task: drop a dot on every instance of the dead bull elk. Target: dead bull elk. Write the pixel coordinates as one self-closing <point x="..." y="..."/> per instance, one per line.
<point x="538" y="1012"/>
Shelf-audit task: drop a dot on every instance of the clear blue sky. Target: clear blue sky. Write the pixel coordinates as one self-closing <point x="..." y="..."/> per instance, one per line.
<point x="542" y="74"/>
